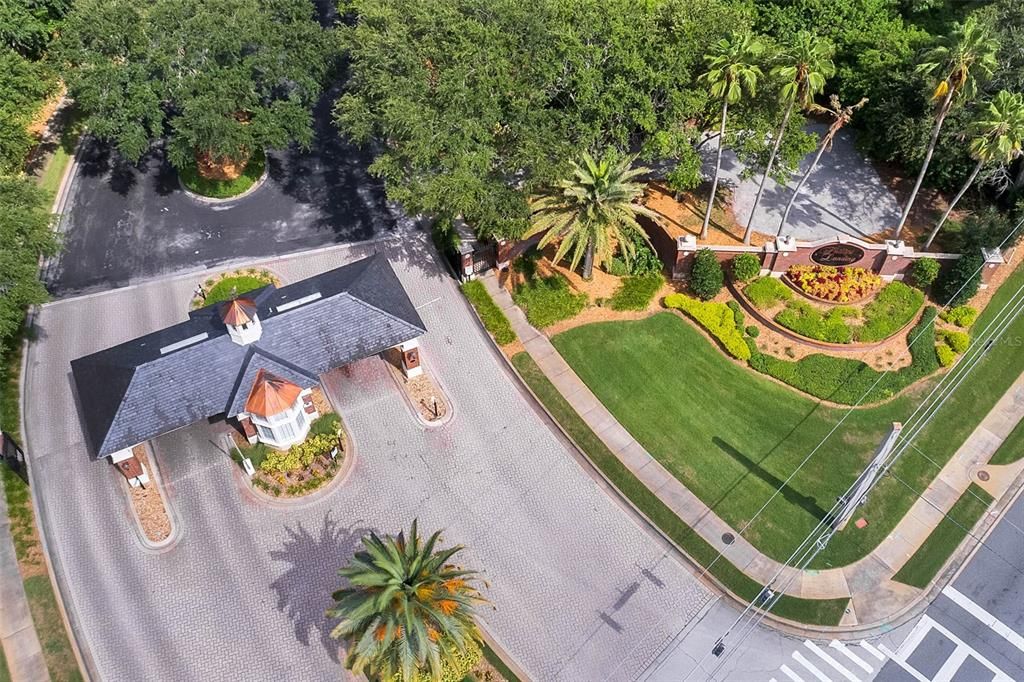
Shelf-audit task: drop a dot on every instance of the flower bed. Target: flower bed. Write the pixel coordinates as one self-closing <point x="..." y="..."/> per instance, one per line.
<point x="835" y="285"/>
<point x="302" y="468"/>
<point x="230" y="285"/>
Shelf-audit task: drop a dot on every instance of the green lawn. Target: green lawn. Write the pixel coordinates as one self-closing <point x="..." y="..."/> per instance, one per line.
<point x="931" y="556"/>
<point x="52" y="173"/>
<point x="733" y="437"/>
<point x="499" y="665"/>
<point x="823" y="612"/>
<point x="1011" y="449"/>
<point x="231" y="287"/>
<point x="5" y="674"/>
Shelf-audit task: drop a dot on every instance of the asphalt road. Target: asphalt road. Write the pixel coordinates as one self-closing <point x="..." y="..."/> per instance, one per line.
<point x="974" y="630"/>
<point x="125" y="222"/>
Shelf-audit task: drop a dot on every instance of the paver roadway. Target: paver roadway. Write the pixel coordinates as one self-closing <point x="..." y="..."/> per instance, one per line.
<point x="580" y="590"/>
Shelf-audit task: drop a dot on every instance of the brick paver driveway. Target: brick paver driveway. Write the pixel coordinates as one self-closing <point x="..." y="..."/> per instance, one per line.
<point x="581" y="591"/>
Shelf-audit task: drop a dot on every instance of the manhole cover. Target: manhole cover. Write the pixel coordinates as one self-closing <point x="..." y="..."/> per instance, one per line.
<point x="983" y="475"/>
<point x="728" y="538"/>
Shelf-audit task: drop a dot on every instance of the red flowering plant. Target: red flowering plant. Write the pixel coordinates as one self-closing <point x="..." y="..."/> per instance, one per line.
<point x="841" y="285"/>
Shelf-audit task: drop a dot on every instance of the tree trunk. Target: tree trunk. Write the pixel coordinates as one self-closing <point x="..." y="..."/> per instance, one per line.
<point x="825" y="142"/>
<point x="767" y="170"/>
<point x="952" y="204"/>
<point x="588" y="261"/>
<point x="943" y="111"/>
<point x="718" y="168"/>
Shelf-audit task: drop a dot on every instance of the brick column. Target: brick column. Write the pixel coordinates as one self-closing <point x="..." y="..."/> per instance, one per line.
<point x="503" y="250"/>
<point x="686" y="247"/>
<point x="783" y="248"/>
<point x="898" y="257"/>
<point x="993" y="261"/>
<point x="411" y="358"/>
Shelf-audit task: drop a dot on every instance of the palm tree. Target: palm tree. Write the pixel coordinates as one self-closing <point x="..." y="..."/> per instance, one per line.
<point x="407" y="609"/>
<point x="804" y="66"/>
<point x="592" y="211"/>
<point x="963" y="60"/>
<point x="840" y="116"/>
<point x="998" y="135"/>
<point x="731" y="70"/>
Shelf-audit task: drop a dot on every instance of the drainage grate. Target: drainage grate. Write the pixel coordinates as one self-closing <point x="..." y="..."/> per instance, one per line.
<point x="983" y="475"/>
<point x="728" y="538"/>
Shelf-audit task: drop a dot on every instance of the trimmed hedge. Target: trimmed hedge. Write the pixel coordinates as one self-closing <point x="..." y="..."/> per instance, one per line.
<point x="845" y="381"/>
<point x="960" y="283"/>
<point x="958" y="341"/>
<point x="737" y="313"/>
<point x="767" y="292"/>
<point x="961" y="316"/>
<point x="490" y="314"/>
<point x="717" y="319"/>
<point x="707" y="276"/>
<point x="635" y="293"/>
<point x="806" y="320"/>
<point x="924" y="271"/>
<point x="893" y="308"/>
<point x="547" y="300"/>
<point x="945" y="354"/>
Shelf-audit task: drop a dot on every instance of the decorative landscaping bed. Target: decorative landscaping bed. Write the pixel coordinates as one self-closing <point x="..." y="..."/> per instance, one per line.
<point x="422" y="392"/>
<point x="303" y="468"/>
<point x="890" y="312"/>
<point x="149" y="503"/>
<point x="228" y="285"/>
<point x="226" y="188"/>
<point x="833" y="285"/>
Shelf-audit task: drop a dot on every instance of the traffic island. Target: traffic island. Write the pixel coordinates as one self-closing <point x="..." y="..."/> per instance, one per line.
<point x="226" y="186"/>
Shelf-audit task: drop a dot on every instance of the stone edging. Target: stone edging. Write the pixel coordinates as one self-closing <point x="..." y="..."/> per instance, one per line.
<point x="752" y="310"/>
<point x="814" y="299"/>
<point x="168" y="543"/>
<point x="393" y="372"/>
<point x="215" y="200"/>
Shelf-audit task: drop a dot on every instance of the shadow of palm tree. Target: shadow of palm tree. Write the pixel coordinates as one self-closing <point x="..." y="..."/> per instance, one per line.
<point x="304" y="589"/>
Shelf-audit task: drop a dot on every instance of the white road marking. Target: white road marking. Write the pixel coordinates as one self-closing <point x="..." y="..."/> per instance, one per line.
<point x="996" y="625"/>
<point x="835" y="644"/>
<point x="903" y="664"/>
<point x="870" y="648"/>
<point x="810" y="666"/>
<point x="790" y="674"/>
<point x="949" y="668"/>
<point x="828" y="659"/>
<point x="952" y="664"/>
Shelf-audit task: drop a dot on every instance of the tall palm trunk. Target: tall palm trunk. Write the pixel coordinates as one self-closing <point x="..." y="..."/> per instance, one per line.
<point x="825" y="142"/>
<point x="718" y="168"/>
<point x="952" y="204"/>
<point x="943" y="111"/>
<point x="588" y="261"/>
<point x="768" y="169"/>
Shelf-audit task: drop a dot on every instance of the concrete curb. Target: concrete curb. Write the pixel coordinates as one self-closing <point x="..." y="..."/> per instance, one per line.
<point x="217" y="201"/>
<point x="168" y="543"/>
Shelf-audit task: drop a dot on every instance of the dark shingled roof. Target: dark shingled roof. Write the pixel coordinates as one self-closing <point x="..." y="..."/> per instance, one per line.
<point x="133" y="392"/>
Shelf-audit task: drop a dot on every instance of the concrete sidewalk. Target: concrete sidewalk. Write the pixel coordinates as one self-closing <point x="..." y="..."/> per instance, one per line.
<point x="868" y="582"/>
<point x="20" y="642"/>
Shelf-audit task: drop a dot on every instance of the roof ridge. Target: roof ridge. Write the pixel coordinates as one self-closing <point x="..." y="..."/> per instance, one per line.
<point x="249" y="352"/>
<point x="285" y="363"/>
<point x="392" y="316"/>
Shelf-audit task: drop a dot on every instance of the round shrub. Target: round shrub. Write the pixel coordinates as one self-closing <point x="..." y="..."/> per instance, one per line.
<point x="924" y="271"/>
<point x="767" y="292"/>
<point x="960" y="283"/>
<point x="707" y="277"/>
<point x="737" y="313"/>
<point x="753" y="332"/>
<point x="958" y="341"/>
<point x="945" y="355"/>
<point x="745" y="267"/>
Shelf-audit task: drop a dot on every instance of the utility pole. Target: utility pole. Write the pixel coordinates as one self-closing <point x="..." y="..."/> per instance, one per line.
<point x="866" y="481"/>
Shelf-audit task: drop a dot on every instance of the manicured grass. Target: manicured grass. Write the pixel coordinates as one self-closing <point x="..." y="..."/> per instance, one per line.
<point x="635" y="293"/>
<point x="822" y="612"/>
<point x="490" y="314"/>
<point x="230" y="287"/>
<point x="60" y="659"/>
<point x="224" y="189"/>
<point x="931" y="556"/>
<point x="547" y="300"/>
<point x="1011" y="449"/>
<point x="5" y="674"/>
<point x="847" y="381"/>
<point x="52" y="173"/>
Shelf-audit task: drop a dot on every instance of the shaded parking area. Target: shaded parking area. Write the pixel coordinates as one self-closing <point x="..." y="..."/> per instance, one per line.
<point x="125" y="222"/>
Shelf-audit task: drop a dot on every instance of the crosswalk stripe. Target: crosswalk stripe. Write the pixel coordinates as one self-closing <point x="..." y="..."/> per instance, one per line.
<point x="810" y="666"/>
<point x="790" y="674"/>
<point x="828" y="659"/>
<point x="996" y="625"/>
<point x="870" y="648"/>
<point x="850" y="655"/>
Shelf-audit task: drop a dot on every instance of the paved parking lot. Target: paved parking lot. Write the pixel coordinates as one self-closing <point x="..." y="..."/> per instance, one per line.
<point x="580" y="590"/>
<point x="125" y="223"/>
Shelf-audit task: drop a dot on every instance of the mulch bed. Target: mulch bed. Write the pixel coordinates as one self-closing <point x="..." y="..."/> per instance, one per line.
<point x="148" y="503"/>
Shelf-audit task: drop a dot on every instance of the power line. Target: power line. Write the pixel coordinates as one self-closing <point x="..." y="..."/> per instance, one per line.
<point x="816" y="541"/>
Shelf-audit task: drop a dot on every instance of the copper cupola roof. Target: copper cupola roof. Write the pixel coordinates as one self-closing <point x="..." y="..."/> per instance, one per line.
<point x="238" y="311"/>
<point x="271" y="395"/>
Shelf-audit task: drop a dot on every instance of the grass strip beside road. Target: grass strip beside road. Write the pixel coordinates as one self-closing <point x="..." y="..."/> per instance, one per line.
<point x="815" y="612"/>
<point x="1011" y="449"/>
<point x="490" y="314"/>
<point x="945" y="538"/>
<point x="495" y="660"/>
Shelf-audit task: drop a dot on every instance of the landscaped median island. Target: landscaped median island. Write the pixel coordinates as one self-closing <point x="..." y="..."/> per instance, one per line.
<point x="229" y="184"/>
<point x="232" y="284"/>
<point x="921" y="568"/>
<point x="810" y="611"/>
